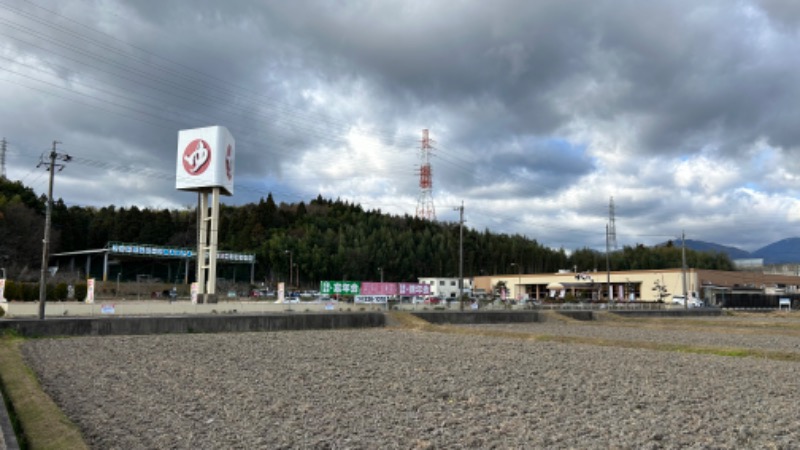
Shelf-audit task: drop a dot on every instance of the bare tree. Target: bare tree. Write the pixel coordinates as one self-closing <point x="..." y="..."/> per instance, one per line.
<point x="660" y="290"/>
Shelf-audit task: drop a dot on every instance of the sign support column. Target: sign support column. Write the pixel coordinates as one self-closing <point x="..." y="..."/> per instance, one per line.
<point x="202" y="211"/>
<point x="205" y="164"/>
<point x="212" y="246"/>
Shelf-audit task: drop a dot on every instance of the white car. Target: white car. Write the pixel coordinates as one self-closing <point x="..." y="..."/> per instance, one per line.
<point x="681" y="300"/>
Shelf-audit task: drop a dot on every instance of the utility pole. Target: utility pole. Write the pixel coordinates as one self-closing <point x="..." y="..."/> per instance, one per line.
<point x="683" y="269"/>
<point x="51" y="166"/>
<point x="461" y="254"/>
<point x="3" y="158"/>
<point x="608" y="270"/>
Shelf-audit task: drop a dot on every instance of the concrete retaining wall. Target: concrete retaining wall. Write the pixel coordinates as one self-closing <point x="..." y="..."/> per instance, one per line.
<point x="161" y="308"/>
<point x="243" y="321"/>
<point x="99" y="326"/>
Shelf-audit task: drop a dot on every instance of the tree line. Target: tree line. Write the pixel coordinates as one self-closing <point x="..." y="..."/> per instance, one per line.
<point x="327" y="239"/>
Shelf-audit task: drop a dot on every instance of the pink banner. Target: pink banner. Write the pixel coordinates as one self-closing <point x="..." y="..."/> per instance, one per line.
<point x="373" y="288"/>
<point x="414" y="289"/>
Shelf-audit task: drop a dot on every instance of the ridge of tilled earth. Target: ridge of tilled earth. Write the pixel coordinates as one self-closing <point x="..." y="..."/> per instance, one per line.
<point x="386" y="388"/>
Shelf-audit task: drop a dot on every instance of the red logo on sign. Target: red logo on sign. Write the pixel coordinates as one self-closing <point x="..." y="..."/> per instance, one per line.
<point x="197" y="157"/>
<point x="229" y="163"/>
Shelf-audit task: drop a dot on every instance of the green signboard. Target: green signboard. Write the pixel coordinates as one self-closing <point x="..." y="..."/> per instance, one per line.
<point x="340" y="287"/>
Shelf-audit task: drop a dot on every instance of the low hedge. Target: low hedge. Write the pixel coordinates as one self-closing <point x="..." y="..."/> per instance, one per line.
<point x="29" y="292"/>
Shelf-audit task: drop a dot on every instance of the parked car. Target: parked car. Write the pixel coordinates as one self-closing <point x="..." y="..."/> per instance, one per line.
<point x="681" y="300"/>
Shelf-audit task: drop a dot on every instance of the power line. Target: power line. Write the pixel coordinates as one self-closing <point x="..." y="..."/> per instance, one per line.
<point x="135" y="70"/>
<point x="224" y="88"/>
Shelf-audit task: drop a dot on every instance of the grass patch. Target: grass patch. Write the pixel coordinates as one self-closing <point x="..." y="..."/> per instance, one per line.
<point x="43" y="424"/>
<point x="733" y="323"/>
<point x="555" y="316"/>
<point x="411" y="322"/>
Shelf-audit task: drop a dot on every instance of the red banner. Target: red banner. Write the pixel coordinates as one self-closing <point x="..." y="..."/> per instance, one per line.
<point x="373" y="288"/>
<point x="414" y="289"/>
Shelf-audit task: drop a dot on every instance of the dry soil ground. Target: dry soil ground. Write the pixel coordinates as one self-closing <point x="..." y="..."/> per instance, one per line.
<point x="460" y="387"/>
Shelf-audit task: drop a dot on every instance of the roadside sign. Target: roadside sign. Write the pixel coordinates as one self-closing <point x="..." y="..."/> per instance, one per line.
<point x="340" y="287"/>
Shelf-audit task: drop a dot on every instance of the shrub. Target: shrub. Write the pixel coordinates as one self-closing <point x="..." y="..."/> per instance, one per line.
<point x="30" y="292"/>
<point x="60" y="292"/>
<point x="80" y="291"/>
<point x="13" y="290"/>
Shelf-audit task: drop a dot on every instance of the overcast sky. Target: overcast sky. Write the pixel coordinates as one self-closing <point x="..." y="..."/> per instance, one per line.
<point x="687" y="113"/>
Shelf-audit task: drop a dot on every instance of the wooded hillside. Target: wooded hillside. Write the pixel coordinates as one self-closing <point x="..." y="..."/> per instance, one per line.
<point x="328" y="239"/>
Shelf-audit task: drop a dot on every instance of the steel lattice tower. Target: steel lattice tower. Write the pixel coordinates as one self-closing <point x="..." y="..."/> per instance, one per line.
<point x="425" y="209"/>
<point x="612" y="226"/>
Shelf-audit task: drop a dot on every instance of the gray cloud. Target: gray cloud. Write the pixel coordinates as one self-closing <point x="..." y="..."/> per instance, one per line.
<point x="667" y="106"/>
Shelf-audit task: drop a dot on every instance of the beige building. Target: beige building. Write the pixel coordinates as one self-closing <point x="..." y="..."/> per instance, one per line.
<point x="636" y="285"/>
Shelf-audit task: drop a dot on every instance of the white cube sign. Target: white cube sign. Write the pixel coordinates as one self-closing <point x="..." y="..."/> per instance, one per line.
<point x="205" y="159"/>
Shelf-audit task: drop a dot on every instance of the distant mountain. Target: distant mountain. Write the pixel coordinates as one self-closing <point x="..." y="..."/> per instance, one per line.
<point x="785" y="251"/>
<point x="702" y="246"/>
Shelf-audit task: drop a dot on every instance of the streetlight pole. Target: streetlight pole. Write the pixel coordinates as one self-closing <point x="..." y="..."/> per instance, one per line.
<point x="118" y="275"/>
<point x="608" y="271"/>
<point x="683" y="269"/>
<point x="380" y="269"/>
